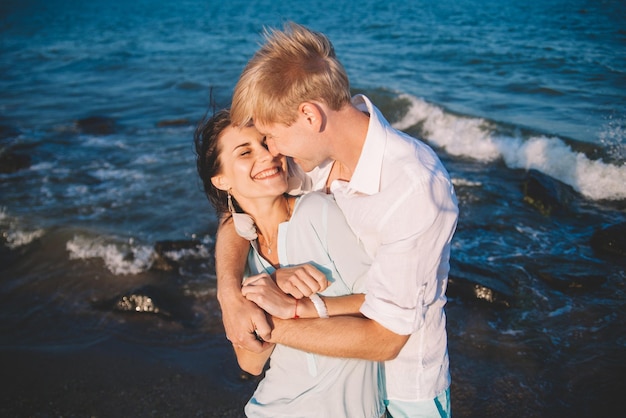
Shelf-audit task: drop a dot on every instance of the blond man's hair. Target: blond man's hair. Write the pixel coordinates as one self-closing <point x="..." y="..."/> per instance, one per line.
<point x="295" y="65"/>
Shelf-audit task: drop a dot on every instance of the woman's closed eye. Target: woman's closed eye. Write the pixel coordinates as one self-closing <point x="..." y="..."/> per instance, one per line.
<point x="244" y="150"/>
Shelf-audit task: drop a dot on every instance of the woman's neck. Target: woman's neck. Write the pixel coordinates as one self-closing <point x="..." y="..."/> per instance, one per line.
<point x="268" y="217"/>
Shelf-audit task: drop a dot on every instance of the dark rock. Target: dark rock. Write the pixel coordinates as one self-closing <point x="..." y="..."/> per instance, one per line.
<point x="7" y="131"/>
<point x="569" y="275"/>
<point x="11" y="162"/>
<point x="96" y="125"/>
<point x="162" y="247"/>
<point x="548" y="195"/>
<point x="610" y="241"/>
<point x="173" y="122"/>
<point x="168" y="304"/>
<point x="473" y="283"/>
<point x="165" y="250"/>
<point x="571" y="281"/>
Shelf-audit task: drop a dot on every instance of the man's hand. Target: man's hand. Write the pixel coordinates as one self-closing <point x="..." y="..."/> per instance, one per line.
<point x="301" y="281"/>
<point x="262" y="290"/>
<point x="245" y="323"/>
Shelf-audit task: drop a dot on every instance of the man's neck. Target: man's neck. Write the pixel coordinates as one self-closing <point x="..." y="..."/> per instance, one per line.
<point x="350" y="130"/>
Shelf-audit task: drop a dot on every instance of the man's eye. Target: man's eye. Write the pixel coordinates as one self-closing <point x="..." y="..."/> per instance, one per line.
<point x="264" y="142"/>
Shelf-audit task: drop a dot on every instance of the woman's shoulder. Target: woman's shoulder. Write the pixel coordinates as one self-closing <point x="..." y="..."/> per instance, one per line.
<point x="317" y="198"/>
<point x="315" y="201"/>
<point x="315" y="207"/>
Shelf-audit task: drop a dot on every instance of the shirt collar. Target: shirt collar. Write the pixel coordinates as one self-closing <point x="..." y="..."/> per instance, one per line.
<point x="366" y="176"/>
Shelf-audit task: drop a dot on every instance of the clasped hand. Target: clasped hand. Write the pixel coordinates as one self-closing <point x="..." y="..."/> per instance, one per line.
<point x="276" y="297"/>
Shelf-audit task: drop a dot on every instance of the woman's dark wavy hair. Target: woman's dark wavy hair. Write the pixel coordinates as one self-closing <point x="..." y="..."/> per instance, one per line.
<point x="206" y="140"/>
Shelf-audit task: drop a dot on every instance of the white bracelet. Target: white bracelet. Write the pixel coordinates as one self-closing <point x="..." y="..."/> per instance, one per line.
<point x="319" y="304"/>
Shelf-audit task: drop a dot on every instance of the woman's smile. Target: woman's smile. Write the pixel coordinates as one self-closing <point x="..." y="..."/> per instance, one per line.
<point x="268" y="173"/>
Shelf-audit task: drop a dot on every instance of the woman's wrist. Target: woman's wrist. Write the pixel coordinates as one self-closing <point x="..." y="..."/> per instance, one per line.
<point x="295" y="311"/>
<point x="303" y="308"/>
<point x="311" y="307"/>
<point x="320" y="306"/>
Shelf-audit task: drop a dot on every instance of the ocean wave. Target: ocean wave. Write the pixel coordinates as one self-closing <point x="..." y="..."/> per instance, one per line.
<point x="119" y="259"/>
<point x="16" y="239"/>
<point x="484" y="141"/>
<point x="130" y="257"/>
<point x="199" y="253"/>
<point x="109" y="173"/>
<point x="14" y="234"/>
<point x="465" y="182"/>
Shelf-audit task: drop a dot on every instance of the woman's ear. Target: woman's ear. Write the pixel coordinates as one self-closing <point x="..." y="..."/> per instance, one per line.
<point x="220" y="182"/>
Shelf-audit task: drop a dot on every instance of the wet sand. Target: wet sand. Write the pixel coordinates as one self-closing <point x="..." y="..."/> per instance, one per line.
<point x="116" y="379"/>
<point x="127" y="376"/>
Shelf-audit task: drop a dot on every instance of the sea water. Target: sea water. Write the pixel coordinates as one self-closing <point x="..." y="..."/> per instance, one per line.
<point x="102" y="98"/>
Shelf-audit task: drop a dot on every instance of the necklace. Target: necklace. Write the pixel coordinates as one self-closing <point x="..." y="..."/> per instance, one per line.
<point x="268" y="243"/>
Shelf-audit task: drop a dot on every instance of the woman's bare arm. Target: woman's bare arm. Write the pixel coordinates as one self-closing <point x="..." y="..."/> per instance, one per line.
<point x="241" y="317"/>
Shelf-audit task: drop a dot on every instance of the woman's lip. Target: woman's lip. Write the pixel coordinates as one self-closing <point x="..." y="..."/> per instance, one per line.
<point x="270" y="172"/>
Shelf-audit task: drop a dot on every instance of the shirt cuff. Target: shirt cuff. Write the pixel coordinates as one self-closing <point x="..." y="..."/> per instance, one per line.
<point x="393" y="317"/>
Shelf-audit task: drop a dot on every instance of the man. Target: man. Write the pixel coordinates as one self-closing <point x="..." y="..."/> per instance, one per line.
<point x="396" y="196"/>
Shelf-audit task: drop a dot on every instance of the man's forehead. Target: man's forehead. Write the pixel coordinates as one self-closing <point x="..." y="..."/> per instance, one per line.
<point x="265" y="128"/>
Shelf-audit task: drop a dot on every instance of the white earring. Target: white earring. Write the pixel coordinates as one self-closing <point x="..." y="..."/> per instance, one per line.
<point x="244" y="225"/>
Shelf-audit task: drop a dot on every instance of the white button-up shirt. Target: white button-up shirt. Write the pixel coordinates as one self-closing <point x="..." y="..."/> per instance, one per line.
<point x="401" y="205"/>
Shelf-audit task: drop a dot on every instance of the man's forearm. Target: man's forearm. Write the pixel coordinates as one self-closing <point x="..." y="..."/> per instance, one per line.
<point x="253" y="363"/>
<point x="341" y="336"/>
<point x="344" y="305"/>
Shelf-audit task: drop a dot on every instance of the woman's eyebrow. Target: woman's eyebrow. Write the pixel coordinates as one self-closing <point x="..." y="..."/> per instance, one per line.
<point x="245" y="144"/>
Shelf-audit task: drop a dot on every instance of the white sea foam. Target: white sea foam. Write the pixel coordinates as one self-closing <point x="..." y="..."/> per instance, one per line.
<point x="43" y="166"/>
<point x="111" y="173"/>
<point x="477" y="138"/>
<point x="104" y="142"/>
<point x="119" y="259"/>
<point x="465" y="182"/>
<point x="14" y="234"/>
<point x="146" y="159"/>
<point x="189" y="253"/>
<point x="16" y="238"/>
<point x="513" y="332"/>
<point x="76" y="190"/>
<point x="460" y="136"/>
<point x="595" y="179"/>
<point x="612" y="137"/>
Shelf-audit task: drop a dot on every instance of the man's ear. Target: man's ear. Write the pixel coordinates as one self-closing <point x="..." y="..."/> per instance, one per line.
<point x="313" y="115"/>
<point x="220" y="182"/>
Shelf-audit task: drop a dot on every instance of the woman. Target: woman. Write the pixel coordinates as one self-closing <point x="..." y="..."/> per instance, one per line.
<point x="242" y="179"/>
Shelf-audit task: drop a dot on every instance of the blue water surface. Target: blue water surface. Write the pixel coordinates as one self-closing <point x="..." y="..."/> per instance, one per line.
<point x="99" y="100"/>
<point x="556" y="66"/>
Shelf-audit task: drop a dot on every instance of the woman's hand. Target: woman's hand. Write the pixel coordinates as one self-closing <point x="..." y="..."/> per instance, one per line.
<point x="262" y="290"/>
<point x="301" y="281"/>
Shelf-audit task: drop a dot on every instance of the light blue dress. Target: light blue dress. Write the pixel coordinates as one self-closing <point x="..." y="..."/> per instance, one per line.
<point x="300" y="384"/>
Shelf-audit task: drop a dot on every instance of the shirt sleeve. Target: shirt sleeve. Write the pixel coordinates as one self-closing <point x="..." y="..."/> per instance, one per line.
<point x="409" y="272"/>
